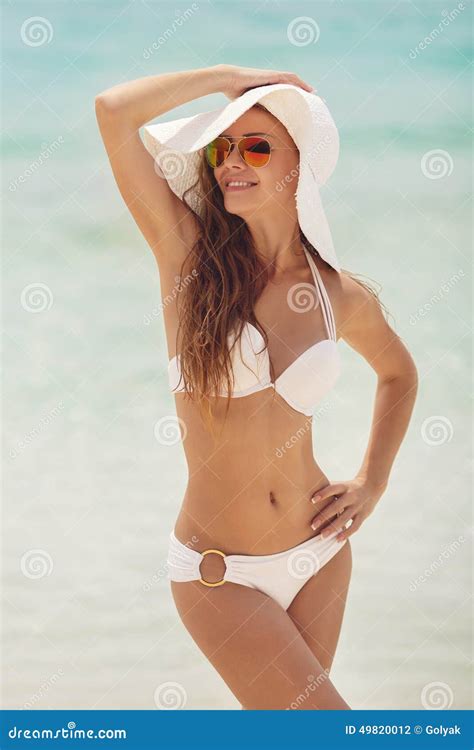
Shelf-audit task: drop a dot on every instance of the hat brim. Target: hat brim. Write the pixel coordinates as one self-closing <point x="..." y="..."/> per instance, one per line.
<point x="312" y="217"/>
<point x="175" y="147"/>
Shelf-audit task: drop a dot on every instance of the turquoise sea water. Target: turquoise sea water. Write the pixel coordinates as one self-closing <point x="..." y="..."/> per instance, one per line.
<point x="89" y="494"/>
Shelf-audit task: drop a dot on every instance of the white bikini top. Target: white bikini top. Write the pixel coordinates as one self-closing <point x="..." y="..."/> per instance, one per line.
<point x="303" y="383"/>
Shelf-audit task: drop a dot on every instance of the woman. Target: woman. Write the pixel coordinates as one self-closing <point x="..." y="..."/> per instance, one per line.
<point x="259" y="559"/>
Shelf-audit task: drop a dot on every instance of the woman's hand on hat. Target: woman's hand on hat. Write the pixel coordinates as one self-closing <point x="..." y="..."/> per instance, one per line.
<point x="236" y="80"/>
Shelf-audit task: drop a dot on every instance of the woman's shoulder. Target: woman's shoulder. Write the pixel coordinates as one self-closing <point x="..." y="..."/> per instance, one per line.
<point x="354" y="302"/>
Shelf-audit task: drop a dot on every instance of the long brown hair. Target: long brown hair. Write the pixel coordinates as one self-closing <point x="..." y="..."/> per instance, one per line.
<point x="229" y="277"/>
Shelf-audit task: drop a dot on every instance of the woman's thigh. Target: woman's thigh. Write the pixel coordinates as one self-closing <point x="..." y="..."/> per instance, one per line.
<point x="318" y="608"/>
<point x="256" y="647"/>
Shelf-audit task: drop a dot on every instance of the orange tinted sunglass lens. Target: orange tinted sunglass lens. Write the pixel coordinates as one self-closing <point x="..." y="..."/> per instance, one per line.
<point x="217" y="152"/>
<point x="255" y="151"/>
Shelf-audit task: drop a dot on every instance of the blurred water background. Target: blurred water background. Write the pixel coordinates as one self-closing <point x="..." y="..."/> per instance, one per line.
<point x="89" y="494"/>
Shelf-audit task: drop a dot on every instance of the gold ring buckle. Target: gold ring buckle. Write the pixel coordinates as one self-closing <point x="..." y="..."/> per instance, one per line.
<point x="208" y="583"/>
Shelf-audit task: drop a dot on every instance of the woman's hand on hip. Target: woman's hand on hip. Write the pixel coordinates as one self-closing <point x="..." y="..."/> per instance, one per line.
<point x="354" y="499"/>
<point x="237" y="80"/>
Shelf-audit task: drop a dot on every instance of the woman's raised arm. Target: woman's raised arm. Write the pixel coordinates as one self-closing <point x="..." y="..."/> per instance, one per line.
<point x="165" y="221"/>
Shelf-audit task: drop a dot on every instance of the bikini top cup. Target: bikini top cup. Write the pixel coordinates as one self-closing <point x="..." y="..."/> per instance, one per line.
<point x="304" y="382"/>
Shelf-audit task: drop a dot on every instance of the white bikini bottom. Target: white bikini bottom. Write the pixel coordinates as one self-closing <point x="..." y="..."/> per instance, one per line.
<point x="280" y="575"/>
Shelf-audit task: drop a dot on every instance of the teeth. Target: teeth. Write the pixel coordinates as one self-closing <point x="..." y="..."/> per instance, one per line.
<point x="238" y="184"/>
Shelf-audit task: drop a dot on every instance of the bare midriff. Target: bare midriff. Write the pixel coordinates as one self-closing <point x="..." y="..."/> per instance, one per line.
<point x="249" y="489"/>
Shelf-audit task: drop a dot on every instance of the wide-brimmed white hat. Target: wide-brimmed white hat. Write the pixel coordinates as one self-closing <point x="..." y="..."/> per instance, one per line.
<point x="175" y="144"/>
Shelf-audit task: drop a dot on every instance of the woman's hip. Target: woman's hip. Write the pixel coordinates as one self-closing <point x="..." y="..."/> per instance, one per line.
<point x="279" y="575"/>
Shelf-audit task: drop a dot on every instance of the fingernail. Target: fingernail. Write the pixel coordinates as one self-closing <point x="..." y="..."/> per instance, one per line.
<point x="313" y="526"/>
<point x="315" y="498"/>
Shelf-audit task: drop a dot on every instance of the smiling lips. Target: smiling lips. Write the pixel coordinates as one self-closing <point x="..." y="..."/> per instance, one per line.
<point x="235" y="185"/>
